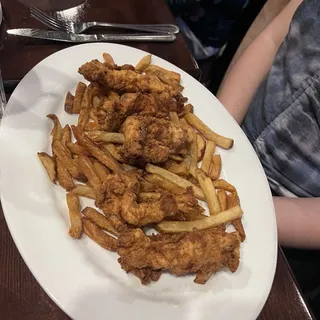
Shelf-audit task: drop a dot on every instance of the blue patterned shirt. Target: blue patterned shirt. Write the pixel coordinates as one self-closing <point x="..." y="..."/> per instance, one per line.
<point x="283" y="120"/>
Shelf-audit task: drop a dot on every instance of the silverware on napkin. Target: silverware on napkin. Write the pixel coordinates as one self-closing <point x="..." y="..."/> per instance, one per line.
<point x="77" y="38"/>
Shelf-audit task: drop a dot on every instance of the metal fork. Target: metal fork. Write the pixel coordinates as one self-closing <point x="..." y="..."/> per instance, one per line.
<point x="80" y="27"/>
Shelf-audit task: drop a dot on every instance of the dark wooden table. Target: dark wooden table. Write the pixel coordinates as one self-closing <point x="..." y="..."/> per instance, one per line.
<point x="21" y="297"/>
<point x="20" y="54"/>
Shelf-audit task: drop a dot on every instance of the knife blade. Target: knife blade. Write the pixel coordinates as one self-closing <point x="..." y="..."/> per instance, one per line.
<point x="78" y="38"/>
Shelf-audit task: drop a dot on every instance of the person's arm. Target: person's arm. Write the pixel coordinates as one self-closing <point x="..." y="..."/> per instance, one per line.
<point x="242" y="80"/>
<point x="298" y="221"/>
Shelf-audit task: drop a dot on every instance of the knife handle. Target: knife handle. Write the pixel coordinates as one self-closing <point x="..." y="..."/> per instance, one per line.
<point x="144" y="37"/>
<point x="155" y="28"/>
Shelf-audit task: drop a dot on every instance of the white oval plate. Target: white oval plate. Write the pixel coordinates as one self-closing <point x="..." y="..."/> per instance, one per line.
<point x="82" y="278"/>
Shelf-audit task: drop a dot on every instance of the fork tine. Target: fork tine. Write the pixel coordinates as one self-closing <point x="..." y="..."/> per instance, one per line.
<point x="49" y="21"/>
<point x="47" y="17"/>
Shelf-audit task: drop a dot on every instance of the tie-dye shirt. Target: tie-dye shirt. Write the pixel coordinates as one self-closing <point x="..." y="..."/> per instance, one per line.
<point x="283" y="121"/>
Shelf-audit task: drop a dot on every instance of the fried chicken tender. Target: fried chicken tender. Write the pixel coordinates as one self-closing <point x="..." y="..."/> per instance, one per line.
<point x="200" y="251"/>
<point x="146" y="275"/>
<point x="188" y="204"/>
<point x="167" y="103"/>
<point x="110" y="196"/>
<point x="143" y="104"/>
<point x="145" y="213"/>
<point x="124" y="80"/>
<point x="149" y="139"/>
<point x="111" y="114"/>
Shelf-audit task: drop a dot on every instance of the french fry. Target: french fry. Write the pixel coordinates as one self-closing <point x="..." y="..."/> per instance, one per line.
<point x="101" y="170"/>
<point x="66" y="135"/>
<point x="100" y="220"/>
<point x="64" y="177"/>
<point x="88" y="169"/>
<point x="144" y="63"/>
<point x="148" y="196"/>
<point x="107" y="57"/>
<point x="159" y="181"/>
<point x="206" y="161"/>
<point x="194" y="181"/>
<point x="104" y="136"/>
<point x="57" y="129"/>
<point x="95" y="151"/>
<point x="175" y="179"/>
<point x="66" y="138"/>
<point x="205" y="223"/>
<point x="174" y="118"/>
<point x="185" y="216"/>
<point x="192" y="216"/>
<point x="77" y="149"/>
<point x="70" y="164"/>
<point x="201" y="143"/>
<point x="49" y="164"/>
<point x="182" y="168"/>
<point x="85" y="107"/>
<point x="73" y="203"/>
<point x="222" y="197"/>
<point x="221" y="141"/>
<point x="68" y="104"/>
<point x="215" y="169"/>
<point x="97" y="235"/>
<point x="169" y="77"/>
<point x="232" y="201"/>
<point x="223" y="184"/>
<point x="83" y="190"/>
<point x="209" y="192"/>
<point x="175" y="157"/>
<point x="193" y="151"/>
<point x="113" y="151"/>
<point x="80" y="90"/>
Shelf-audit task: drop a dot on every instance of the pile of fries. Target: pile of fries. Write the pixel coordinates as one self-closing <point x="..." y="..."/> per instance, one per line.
<point x="81" y="162"/>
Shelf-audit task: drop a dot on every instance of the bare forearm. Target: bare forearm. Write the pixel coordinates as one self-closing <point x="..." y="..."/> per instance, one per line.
<point x="245" y="76"/>
<point x="248" y="71"/>
<point x="298" y="221"/>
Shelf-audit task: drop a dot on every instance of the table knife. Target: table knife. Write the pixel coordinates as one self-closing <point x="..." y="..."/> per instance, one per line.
<point x="77" y="38"/>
